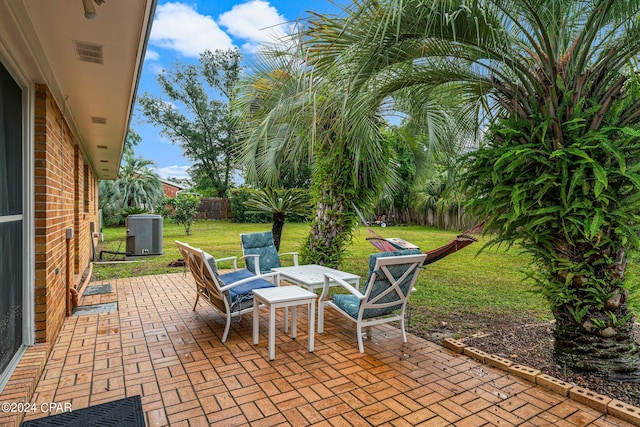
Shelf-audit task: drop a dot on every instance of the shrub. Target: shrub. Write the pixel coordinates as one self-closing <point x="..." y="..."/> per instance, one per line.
<point x="239" y="209"/>
<point x="182" y="209"/>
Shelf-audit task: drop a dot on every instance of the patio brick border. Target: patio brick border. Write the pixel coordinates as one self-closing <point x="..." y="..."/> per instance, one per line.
<point x="596" y="401"/>
<point x="24" y="379"/>
<point x="22" y="383"/>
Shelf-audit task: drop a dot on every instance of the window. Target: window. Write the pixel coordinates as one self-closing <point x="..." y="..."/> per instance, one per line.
<point x="86" y="188"/>
<point x="11" y="221"/>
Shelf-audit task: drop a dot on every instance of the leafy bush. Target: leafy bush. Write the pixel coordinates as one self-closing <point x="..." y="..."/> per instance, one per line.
<point x="182" y="209"/>
<point x="241" y="212"/>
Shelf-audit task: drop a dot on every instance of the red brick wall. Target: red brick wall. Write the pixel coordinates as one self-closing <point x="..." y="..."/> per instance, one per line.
<point x="59" y="205"/>
<point x="82" y="217"/>
<point x="170" y="190"/>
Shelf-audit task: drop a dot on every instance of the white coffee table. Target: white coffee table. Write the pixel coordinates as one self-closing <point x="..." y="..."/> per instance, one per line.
<point x="311" y="276"/>
<point x="282" y="296"/>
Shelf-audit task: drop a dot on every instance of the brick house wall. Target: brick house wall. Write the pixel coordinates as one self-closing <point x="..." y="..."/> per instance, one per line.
<point x="63" y="121"/>
<point x="60" y="191"/>
<point x="170" y="190"/>
<point x="86" y="212"/>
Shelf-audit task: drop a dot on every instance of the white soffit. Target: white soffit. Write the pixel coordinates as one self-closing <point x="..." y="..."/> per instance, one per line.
<point x="91" y="66"/>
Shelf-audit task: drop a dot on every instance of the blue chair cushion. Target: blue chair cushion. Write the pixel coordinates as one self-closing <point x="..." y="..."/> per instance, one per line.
<point x="260" y="244"/>
<point x="244" y="290"/>
<point x="347" y="303"/>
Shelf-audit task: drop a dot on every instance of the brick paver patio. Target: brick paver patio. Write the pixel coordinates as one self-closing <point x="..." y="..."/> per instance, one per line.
<point x="155" y="346"/>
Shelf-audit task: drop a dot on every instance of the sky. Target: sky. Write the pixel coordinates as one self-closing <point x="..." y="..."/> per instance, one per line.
<point x="181" y="30"/>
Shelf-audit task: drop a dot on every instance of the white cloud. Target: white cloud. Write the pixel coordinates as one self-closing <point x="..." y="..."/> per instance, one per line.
<point x="156" y="68"/>
<point x="255" y="21"/>
<point x="180" y="27"/>
<point x="163" y="139"/>
<point x="151" y="55"/>
<point x="173" y="171"/>
<point x="169" y="104"/>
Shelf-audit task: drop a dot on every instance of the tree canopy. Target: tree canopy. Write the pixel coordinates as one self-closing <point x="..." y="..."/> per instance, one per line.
<point x="552" y="85"/>
<point x="549" y="86"/>
<point x="137" y="187"/>
<point x="195" y="113"/>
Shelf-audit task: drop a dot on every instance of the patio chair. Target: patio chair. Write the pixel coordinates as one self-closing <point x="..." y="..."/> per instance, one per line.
<point x="384" y="296"/>
<point x="230" y="294"/>
<point x="260" y="253"/>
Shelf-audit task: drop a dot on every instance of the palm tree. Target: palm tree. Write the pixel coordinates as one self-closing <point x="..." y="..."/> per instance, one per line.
<point x="109" y="200"/>
<point x="291" y="115"/>
<point x="295" y="107"/>
<point x="441" y="196"/>
<point x="280" y="203"/>
<point x="137" y="186"/>
<point x="553" y="85"/>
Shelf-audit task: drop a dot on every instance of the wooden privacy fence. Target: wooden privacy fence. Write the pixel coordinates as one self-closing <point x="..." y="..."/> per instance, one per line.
<point x="430" y="217"/>
<point x="220" y="208"/>
<point x="214" y="208"/>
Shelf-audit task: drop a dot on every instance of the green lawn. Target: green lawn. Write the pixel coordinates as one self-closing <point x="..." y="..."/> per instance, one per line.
<point x="465" y="282"/>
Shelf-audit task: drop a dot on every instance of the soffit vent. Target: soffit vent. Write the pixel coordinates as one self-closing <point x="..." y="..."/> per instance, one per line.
<point x="99" y="120"/>
<point x="89" y="52"/>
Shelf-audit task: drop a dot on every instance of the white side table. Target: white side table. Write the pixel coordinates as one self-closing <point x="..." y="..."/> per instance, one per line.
<point x="282" y="296"/>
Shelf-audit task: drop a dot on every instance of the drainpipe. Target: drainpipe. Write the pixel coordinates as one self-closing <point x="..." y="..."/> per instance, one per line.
<point x="69" y="236"/>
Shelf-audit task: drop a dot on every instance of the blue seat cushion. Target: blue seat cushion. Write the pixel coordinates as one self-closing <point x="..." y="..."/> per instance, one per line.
<point x="351" y="305"/>
<point x="245" y="289"/>
<point x="347" y="303"/>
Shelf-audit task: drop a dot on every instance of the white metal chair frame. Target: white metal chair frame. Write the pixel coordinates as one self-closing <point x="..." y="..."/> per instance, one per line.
<point x="210" y="288"/>
<point x="256" y="258"/>
<point x="381" y="268"/>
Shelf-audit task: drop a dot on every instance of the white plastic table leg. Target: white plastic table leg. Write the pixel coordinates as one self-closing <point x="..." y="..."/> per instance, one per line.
<point x="256" y="319"/>
<point x="320" y="317"/>
<point x="312" y="318"/>
<point x="272" y="332"/>
<point x="293" y="322"/>
<point x="286" y="319"/>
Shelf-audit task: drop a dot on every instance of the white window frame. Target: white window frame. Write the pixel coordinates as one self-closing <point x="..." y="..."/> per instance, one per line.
<point x="20" y="76"/>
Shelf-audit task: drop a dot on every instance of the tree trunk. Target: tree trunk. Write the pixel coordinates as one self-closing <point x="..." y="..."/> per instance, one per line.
<point x="330" y="229"/>
<point x="276" y="228"/>
<point x="603" y="347"/>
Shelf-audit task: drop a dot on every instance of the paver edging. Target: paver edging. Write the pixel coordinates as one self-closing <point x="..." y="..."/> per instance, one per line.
<point x="599" y="402"/>
<point x="474" y="353"/>
<point x="624" y="411"/>
<point x="454" y="345"/>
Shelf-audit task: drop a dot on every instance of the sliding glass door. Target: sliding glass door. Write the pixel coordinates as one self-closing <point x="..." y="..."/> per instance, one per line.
<point x="11" y="219"/>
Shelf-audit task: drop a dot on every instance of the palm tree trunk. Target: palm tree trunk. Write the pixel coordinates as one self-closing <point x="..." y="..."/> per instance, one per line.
<point x="276" y="228"/>
<point x="330" y="229"/>
<point x="609" y="350"/>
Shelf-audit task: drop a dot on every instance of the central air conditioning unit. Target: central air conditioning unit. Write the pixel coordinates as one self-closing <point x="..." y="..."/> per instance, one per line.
<point x="144" y="235"/>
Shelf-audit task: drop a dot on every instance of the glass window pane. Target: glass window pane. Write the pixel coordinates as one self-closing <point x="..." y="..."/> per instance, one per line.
<point x="10" y="145"/>
<point x="11" y="290"/>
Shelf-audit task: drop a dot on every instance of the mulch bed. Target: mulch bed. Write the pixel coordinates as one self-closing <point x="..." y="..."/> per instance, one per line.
<point x="523" y="340"/>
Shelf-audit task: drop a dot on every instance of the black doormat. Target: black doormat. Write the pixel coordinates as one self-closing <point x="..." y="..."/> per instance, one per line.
<point x="119" y="413"/>
<point x="98" y="289"/>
